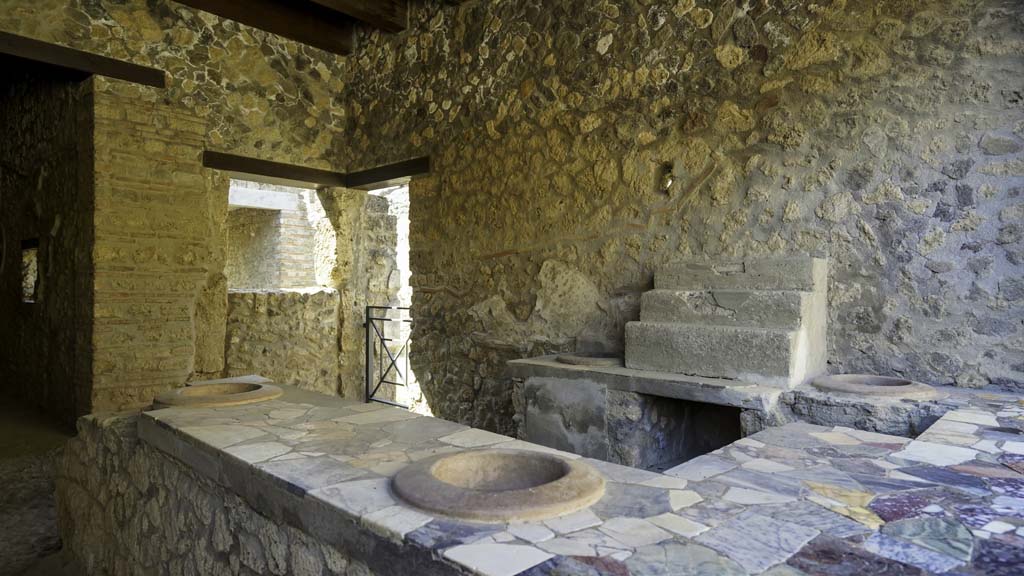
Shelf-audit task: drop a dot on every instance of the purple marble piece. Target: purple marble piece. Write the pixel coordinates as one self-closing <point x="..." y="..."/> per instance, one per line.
<point x="995" y="558"/>
<point x="578" y="566"/>
<point x="1008" y="486"/>
<point x="827" y="556"/>
<point x="632" y="500"/>
<point x="882" y="485"/>
<point x="945" y="476"/>
<point x="1014" y="462"/>
<point x="977" y="515"/>
<point x="441" y="533"/>
<point x="900" y="505"/>
<point x="908" y="553"/>
<point x="985" y="470"/>
<point x="862" y="466"/>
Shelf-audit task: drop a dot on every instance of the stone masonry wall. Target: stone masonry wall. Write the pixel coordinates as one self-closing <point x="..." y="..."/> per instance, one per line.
<point x="252" y="237"/>
<point x="271" y="249"/>
<point x="127" y="509"/>
<point x="362" y="272"/>
<point x="578" y="145"/>
<point x="290" y="337"/>
<point x="885" y="134"/>
<point x="160" y="295"/>
<point x="46" y="194"/>
<point x="258" y="94"/>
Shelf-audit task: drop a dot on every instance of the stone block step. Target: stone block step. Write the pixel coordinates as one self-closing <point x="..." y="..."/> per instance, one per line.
<point x="782" y="273"/>
<point x="765" y="309"/>
<point x="765" y="356"/>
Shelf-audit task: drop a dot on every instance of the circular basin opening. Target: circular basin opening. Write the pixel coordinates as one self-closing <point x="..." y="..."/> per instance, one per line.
<point x="219" y="389"/>
<point x="495" y="485"/>
<point x="872" y="385"/>
<point x="869" y="380"/>
<point x="496" y="471"/>
<point x="216" y="394"/>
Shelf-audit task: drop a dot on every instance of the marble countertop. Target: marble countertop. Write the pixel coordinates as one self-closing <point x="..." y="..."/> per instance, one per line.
<point x="791" y="500"/>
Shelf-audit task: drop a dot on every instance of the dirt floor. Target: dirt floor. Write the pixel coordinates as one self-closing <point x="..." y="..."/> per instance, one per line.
<point x="30" y="447"/>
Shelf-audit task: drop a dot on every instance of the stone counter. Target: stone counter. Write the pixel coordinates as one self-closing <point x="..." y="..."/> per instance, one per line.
<point x="301" y="486"/>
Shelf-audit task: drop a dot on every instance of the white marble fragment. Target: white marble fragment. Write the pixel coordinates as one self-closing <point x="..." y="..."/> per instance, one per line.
<point x="474" y="438"/>
<point x="678" y="525"/>
<point x="634" y="532"/>
<point x="395" y="522"/>
<point x="935" y="454"/>
<point x="679" y="499"/>
<point x="749" y="496"/>
<point x="573" y="522"/>
<point x="531" y="532"/>
<point x="496" y="559"/>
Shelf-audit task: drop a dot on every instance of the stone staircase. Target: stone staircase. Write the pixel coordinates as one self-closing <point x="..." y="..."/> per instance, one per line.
<point x="760" y="320"/>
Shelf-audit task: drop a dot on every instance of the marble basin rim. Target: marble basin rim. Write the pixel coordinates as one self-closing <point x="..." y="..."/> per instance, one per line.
<point x="216" y="394"/>
<point x="873" y="385"/>
<point x="497" y="485"/>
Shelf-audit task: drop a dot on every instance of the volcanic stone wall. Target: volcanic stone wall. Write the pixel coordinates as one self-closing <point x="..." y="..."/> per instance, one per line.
<point x="579" y="145"/>
<point x="127" y="508"/>
<point x="46" y="197"/>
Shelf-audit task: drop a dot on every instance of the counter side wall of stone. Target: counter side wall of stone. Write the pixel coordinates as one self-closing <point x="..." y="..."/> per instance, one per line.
<point x="125" y="508"/>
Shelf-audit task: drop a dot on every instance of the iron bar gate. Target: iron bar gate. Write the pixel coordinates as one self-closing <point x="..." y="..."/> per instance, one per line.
<point x="385" y="364"/>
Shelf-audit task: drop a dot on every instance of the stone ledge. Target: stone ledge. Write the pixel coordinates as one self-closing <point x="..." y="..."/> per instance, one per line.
<point x="719" y="391"/>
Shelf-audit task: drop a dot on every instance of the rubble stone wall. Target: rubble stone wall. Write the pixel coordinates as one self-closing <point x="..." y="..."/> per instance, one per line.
<point x="290" y="337"/>
<point x="577" y="146"/>
<point x="272" y="249"/>
<point x="125" y="509"/>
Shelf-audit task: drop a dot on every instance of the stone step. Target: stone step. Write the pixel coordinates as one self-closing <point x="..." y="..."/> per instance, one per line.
<point x="765" y="356"/>
<point x="765" y="309"/>
<point x="781" y="273"/>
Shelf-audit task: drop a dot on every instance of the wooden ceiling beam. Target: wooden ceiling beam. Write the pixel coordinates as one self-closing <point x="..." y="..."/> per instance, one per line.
<point x="306" y="22"/>
<point x="83" y="62"/>
<point x="388" y="15"/>
<point x="388" y="174"/>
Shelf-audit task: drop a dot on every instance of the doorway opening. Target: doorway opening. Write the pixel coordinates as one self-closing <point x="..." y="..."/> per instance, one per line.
<point x="400" y="331"/>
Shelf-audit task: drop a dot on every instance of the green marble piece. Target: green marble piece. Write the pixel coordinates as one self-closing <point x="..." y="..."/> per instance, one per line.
<point x="938" y="534"/>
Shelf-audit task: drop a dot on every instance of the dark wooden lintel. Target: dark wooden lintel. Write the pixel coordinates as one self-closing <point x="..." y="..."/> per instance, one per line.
<point x="301" y="21"/>
<point x="388" y="15"/>
<point x="389" y="174"/>
<point x="290" y="174"/>
<point x="272" y="171"/>
<point x="77" y="60"/>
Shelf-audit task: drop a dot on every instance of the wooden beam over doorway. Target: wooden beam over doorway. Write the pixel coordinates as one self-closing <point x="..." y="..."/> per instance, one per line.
<point x="292" y="175"/>
<point x="389" y="174"/>
<point x="272" y="172"/>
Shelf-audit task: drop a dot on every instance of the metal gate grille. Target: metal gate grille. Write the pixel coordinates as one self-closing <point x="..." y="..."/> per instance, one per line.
<point x="387" y="350"/>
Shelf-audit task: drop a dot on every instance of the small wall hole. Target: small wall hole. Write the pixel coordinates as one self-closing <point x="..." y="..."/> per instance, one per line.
<point x="29" y="270"/>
